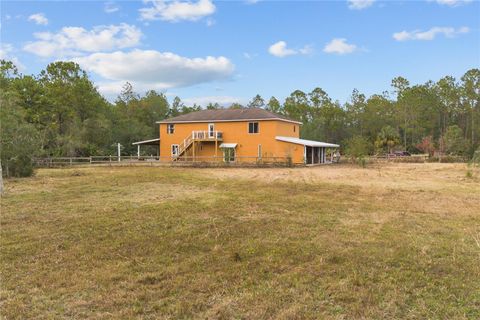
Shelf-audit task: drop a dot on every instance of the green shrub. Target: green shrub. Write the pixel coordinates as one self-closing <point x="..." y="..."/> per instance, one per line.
<point x="21" y="166"/>
<point x="357" y="147"/>
<point x="18" y="139"/>
<point x="362" y="162"/>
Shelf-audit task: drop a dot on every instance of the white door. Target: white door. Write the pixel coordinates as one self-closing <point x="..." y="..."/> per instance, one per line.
<point x="211" y="130"/>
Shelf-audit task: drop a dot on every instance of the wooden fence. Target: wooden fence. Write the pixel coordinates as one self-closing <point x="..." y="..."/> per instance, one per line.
<point x="200" y="161"/>
<point x="52" y="162"/>
<point x="414" y="158"/>
<point x="388" y="158"/>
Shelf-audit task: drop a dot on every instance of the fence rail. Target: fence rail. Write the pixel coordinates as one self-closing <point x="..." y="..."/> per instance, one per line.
<point x="213" y="161"/>
<point x="414" y="158"/>
<point x="166" y="161"/>
<point x="411" y="158"/>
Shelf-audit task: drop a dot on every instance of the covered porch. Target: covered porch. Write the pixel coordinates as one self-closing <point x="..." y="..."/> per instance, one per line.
<point x="314" y="152"/>
<point x="151" y="142"/>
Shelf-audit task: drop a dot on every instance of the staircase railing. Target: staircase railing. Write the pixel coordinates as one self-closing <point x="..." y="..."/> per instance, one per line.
<point x="196" y="135"/>
<point x="182" y="147"/>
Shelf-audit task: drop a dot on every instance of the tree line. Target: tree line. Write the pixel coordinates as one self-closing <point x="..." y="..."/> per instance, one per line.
<point x="60" y="112"/>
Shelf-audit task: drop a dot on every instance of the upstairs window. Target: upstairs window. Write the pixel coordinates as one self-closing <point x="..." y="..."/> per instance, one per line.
<point x="170" y="128"/>
<point x="253" y="127"/>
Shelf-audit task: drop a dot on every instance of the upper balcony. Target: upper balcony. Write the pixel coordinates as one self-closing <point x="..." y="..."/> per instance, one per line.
<point x="207" y="135"/>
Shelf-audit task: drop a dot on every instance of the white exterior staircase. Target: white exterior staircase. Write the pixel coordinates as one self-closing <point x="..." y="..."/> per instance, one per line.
<point x="196" y="136"/>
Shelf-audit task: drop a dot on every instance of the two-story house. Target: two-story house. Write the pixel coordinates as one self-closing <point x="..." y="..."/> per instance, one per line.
<point x="245" y="135"/>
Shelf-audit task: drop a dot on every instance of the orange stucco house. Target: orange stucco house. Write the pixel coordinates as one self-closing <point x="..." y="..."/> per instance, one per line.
<point x="240" y="135"/>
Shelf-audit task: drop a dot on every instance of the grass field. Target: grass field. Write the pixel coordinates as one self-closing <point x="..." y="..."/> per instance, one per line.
<point x="333" y="242"/>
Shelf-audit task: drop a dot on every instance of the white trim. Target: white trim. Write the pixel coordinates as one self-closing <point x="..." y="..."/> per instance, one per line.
<point x="258" y="127"/>
<point x="309" y="143"/>
<point x="145" y="141"/>
<point x="171" y="149"/>
<point x="238" y="120"/>
<point x="228" y="145"/>
<point x="168" y="128"/>
<point x="211" y="133"/>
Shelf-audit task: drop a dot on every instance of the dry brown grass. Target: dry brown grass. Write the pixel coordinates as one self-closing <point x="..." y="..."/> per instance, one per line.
<point x="338" y="242"/>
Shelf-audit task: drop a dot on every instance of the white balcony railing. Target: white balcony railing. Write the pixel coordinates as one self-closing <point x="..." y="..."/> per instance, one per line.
<point x="206" y="135"/>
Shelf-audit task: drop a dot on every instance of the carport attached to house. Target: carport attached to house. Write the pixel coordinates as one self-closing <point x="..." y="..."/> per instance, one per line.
<point x="151" y="142"/>
<point x="315" y="152"/>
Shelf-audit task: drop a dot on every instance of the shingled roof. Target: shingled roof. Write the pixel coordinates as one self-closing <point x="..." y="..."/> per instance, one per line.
<point x="225" y="115"/>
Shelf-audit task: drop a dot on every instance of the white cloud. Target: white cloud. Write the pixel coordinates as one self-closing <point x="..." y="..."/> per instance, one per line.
<point x="6" y="53"/>
<point x="210" y="22"/>
<point x="280" y="50"/>
<point x="152" y="69"/>
<point x="221" y="100"/>
<point x="110" y="7"/>
<point x="359" y="4"/>
<point x="249" y="56"/>
<point x="452" y="3"/>
<point x="70" y="41"/>
<point x="5" y="50"/>
<point x="448" y="32"/>
<point x="339" y="46"/>
<point x="38" y="18"/>
<point x="111" y="89"/>
<point x="176" y="10"/>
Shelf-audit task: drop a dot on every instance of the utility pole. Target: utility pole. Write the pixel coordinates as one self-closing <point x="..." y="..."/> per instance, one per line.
<point x="118" y="151"/>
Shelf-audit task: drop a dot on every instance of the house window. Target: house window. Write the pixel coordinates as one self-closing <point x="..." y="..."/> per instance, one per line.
<point x="174" y="149"/>
<point x="294" y="128"/>
<point x="253" y="127"/>
<point x="170" y="128"/>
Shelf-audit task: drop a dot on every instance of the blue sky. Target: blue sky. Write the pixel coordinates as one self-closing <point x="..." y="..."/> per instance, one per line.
<point x="229" y="51"/>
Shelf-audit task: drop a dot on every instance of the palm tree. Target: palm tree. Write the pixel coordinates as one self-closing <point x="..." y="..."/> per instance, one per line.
<point x="387" y="137"/>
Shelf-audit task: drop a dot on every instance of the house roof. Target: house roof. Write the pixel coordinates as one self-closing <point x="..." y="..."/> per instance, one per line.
<point x="148" y="142"/>
<point x="309" y="143"/>
<point x="226" y="115"/>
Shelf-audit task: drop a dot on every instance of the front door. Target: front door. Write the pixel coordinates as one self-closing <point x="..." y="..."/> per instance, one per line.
<point x="211" y="130"/>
